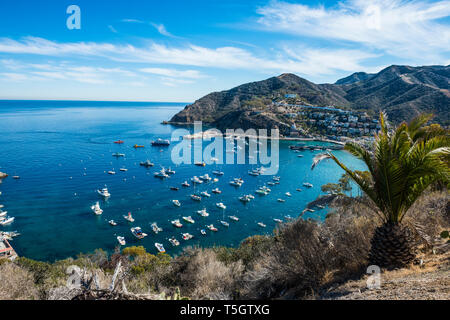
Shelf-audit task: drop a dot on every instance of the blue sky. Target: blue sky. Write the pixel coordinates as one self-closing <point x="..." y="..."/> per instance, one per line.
<point x="182" y="50"/>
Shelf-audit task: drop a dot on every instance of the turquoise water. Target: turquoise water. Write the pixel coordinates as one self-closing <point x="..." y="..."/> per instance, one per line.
<point x="62" y="151"/>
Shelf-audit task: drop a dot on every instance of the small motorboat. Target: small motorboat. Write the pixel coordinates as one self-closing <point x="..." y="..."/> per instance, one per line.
<point x="129" y="217"/>
<point x="104" y="192"/>
<point x="250" y="196"/>
<point x="212" y="228"/>
<point x="112" y="222"/>
<point x="16" y="177"/>
<point x="205" y="177"/>
<point x="96" y="209"/>
<point x="245" y="199"/>
<point x="203" y="232"/>
<point x="160" y="247"/>
<point x="278" y="220"/>
<point x="203" y="213"/>
<point x="189" y="219"/>
<point x="300" y="156"/>
<point x="216" y="191"/>
<point x="205" y="194"/>
<point x="299" y="190"/>
<point x="262" y="192"/>
<point x="118" y="155"/>
<point x="111" y="172"/>
<point x="174" y="188"/>
<point x="320" y="206"/>
<point x="137" y="232"/>
<point x="196" y="180"/>
<point x="271" y="183"/>
<point x="146" y="164"/>
<point x="161" y="143"/>
<point x="281" y="200"/>
<point x="215" y="180"/>
<point x="138" y="146"/>
<point x="308" y="185"/>
<point x="121" y="240"/>
<point x="3" y="213"/>
<point x="220" y="205"/>
<point x="196" y="197"/>
<point x="237" y="182"/>
<point x="119" y="142"/>
<point x="123" y="169"/>
<point x="177" y="223"/>
<point x="226" y="224"/>
<point x="276" y="178"/>
<point x="174" y="242"/>
<point x="187" y="236"/>
<point x="234" y="218"/>
<point x="218" y="173"/>
<point x="255" y="174"/>
<point x="155" y="228"/>
<point x="262" y="225"/>
<point x="200" y="164"/>
<point x="161" y="174"/>
<point x="170" y="171"/>
<point x="288" y="194"/>
<point x="6" y="221"/>
<point x="176" y="203"/>
<point x="185" y="184"/>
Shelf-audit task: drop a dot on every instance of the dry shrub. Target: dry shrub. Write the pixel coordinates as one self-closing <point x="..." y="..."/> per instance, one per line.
<point x="16" y="283"/>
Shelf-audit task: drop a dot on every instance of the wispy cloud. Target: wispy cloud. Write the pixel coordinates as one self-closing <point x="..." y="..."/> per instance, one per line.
<point x="110" y="27"/>
<point x="400" y="28"/>
<point x="162" y="30"/>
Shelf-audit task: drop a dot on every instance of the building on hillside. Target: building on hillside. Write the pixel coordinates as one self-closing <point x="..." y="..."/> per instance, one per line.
<point x="6" y="250"/>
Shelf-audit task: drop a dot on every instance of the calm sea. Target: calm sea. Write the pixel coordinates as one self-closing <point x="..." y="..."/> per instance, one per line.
<point x="62" y="151"/>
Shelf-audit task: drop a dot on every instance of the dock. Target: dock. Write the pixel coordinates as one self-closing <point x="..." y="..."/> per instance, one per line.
<point x="6" y="250"/>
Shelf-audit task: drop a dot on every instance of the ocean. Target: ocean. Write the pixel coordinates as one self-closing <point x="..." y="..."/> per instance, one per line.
<point x="62" y="151"/>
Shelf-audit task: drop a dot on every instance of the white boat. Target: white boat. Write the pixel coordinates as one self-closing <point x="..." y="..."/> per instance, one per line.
<point x="205" y="194"/>
<point x="215" y="180"/>
<point x="176" y="203"/>
<point x="271" y="183"/>
<point x="96" y="209"/>
<point x="111" y="172"/>
<point x="281" y="200"/>
<point x="203" y="232"/>
<point x="235" y="183"/>
<point x="123" y="169"/>
<point x="196" y="197"/>
<point x="3" y="213"/>
<point x="6" y="221"/>
<point x="299" y="190"/>
<point x="137" y="232"/>
<point x="205" y="177"/>
<point x="320" y="206"/>
<point x="218" y="173"/>
<point x="203" y="213"/>
<point x="177" y="223"/>
<point x="262" y="225"/>
<point x="196" y="180"/>
<point x="185" y="184"/>
<point x="250" y="196"/>
<point x="216" y="191"/>
<point x="104" y="192"/>
<point x="174" y="242"/>
<point x="226" y="224"/>
<point x="278" y="220"/>
<point x="234" y="218"/>
<point x="121" y="240"/>
<point x="160" y="247"/>
<point x="300" y="156"/>
<point x="187" y="236"/>
<point x="308" y="185"/>
<point x="161" y="174"/>
<point x="212" y="228"/>
<point x="155" y="228"/>
<point x="288" y="194"/>
<point x="221" y="205"/>
<point x="170" y="171"/>
<point x="189" y="219"/>
<point x="112" y="222"/>
<point x="118" y="155"/>
<point x="262" y="192"/>
<point x="276" y="178"/>
<point x="245" y="199"/>
<point x="129" y="217"/>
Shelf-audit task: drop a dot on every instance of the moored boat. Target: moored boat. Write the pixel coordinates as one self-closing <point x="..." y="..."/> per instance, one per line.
<point x="189" y="219"/>
<point x="196" y="197"/>
<point x="112" y="222"/>
<point x="155" y="228"/>
<point x="177" y="223"/>
<point x="121" y="240"/>
<point x="96" y="209"/>
<point x="234" y="218"/>
<point x="205" y="194"/>
<point x="160" y="247"/>
<point x="174" y="242"/>
<point x="137" y="232"/>
<point x="212" y="228"/>
<point x="129" y="217"/>
<point x="262" y="225"/>
<point x="104" y="192"/>
<point x="176" y="203"/>
<point x="187" y="236"/>
<point x="226" y="224"/>
<point x="220" y="205"/>
<point x="161" y="143"/>
<point x="203" y="213"/>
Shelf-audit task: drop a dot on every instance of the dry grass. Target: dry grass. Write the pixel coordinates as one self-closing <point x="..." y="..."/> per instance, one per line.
<point x="16" y="283"/>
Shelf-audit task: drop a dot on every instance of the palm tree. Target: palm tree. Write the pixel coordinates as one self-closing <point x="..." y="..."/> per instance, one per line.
<point x="401" y="163"/>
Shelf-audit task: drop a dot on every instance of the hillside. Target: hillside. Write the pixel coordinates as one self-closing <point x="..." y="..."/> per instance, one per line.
<point x="402" y="91"/>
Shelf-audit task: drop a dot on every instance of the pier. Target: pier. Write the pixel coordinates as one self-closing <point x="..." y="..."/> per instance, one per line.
<point x="6" y="250"/>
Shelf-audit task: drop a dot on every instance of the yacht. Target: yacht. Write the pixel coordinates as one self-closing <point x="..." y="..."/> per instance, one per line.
<point x="137" y="232"/>
<point x="271" y="183"/>
<point x="226" y="224"/>
<point x="196" y="197"/>
<point x="170" y="171"/>
<point x="187" y="236"/>
<point x="96" y="209"/>
<point x="308" y="185"/>
<point x="123" y="169"/>
<point x="121" y="240"/>
<point x="205" y="177"/>
<point x="244" y="199"/>
<point x="281" y="200"/>
<point x="129" y="217"/>
<point x="111" y="172"/>
<point x="176" y="203"/>
<point x="196" y="180"/>
<point x="250" y="196"/>
<point x="234" y="218"/>
<point x="147" y="164"/>
<point x="6" y="221"/>
<point x="236" y="182"/>
<point x="155" y="228"/>
<point x="118" y="155"/>
<point x="161" y="143"/>
<point x="262" y="225"/>
<point x="212" y="228"/>
<point x="205" y="194"/>
<point x="253" y="173"/>
<point x="112" y="222"/>
<point x="189" y="219"/>
<point x="177" y="223"/>
<point x="218" y="173"/>
<point x="221" y="205"/>
<point x="278" y="220"/>
<point x="288" y="194"/>
<point x="185" y="184"/>
<point x="3" y="213"/>
<point x="104" y="192"/>
<point x="160" y="247"/>
<point x="276" y="178"/>
<point x="161" y="174"/>
<point x="216" y="191"/>
<point x="203" y="213"/>
<point x="174" y="242"/>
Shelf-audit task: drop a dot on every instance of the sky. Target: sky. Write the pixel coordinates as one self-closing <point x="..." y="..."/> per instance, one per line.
<point x="179" y="51"/>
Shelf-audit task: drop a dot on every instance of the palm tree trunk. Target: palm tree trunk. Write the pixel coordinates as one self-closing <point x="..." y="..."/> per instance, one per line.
<point x="393" y="246"/>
